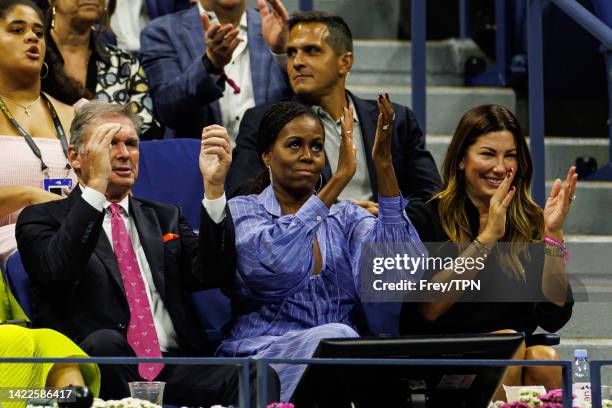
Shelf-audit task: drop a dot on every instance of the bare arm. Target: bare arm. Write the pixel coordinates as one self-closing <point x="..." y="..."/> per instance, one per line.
<point x="554" y="277"/>
<point x="491" y="233"/>
<point x="13" y="198"/>
<point x="381" y="152"/>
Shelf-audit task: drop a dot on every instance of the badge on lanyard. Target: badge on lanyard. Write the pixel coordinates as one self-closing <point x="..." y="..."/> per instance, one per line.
<point x="57" y="185"/>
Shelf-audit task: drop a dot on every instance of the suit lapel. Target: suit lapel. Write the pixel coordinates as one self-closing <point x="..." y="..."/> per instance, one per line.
<point x="368" y="119"/>
<point x="260" y="65"/>
<point x="193" y="36"/>
<point x="150" y="236"/>
<point x="104" y="250"/>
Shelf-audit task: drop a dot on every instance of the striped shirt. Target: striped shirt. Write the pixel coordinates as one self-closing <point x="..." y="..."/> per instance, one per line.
<point x="274" y="291"/>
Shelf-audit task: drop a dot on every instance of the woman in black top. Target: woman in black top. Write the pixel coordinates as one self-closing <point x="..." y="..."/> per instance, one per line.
<point x="486" y="199"/>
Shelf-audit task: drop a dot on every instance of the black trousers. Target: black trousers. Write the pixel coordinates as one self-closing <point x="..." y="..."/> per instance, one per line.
<point x="186" y="385"/>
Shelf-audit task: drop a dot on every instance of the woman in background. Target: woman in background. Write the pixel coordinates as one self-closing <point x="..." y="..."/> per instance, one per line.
<point x="83" y="66"/>
<point x="32" y="142"/>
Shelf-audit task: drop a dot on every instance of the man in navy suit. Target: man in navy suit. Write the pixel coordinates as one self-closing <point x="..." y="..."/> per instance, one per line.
<point x="114" y="272"/>
<point x="211" y="63"/>
<point x="320" y="57"/>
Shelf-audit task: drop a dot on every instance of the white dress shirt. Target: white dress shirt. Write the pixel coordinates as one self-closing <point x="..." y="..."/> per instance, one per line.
<point x="166" y="334"/>
<point x="359" y="188"/>
<point x="233" y="105"/>
<point x="128" y="20"/>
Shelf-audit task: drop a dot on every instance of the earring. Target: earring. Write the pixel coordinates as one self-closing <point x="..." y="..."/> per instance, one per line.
<point x="320" y="184"/>
<point x="46" y="70"/>
<point x="270" y="174"/>
<point x="53" y="18"/>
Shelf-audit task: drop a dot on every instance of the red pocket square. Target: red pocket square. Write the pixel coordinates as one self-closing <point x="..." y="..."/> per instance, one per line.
<point x="169" y="237"/>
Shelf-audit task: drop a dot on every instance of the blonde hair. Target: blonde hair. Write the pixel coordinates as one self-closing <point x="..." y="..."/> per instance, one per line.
<point x="524" y="221"/>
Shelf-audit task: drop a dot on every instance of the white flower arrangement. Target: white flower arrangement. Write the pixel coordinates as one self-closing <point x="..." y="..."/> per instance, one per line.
<point x="123" y="403"/>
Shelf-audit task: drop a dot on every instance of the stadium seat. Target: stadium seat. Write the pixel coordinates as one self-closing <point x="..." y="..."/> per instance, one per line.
<point x="169" y="172"/>
<point x="19" y="283"/>
<point x="214" y="312"/>
<point x="212" y="306"/>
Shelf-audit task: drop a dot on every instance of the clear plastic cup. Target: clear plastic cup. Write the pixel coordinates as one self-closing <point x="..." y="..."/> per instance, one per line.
<point x="152" y="391"/>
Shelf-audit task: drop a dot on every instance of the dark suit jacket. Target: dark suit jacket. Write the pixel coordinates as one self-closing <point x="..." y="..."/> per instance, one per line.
<point x="158" y="8"/>
<point x="75" y="280"/>
<point x="414" y="166"/>
<point x="184" y="93"/>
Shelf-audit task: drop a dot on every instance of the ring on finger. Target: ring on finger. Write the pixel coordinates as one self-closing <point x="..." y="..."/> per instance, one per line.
<point x="385" y="126"/>
<point x="572" y="198"/>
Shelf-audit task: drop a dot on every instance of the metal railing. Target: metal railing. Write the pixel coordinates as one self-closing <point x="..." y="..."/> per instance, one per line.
<point x="595" y="373"/>
<point x="535" y="68"/>
<point x="243" y="363"/>
<point x="600" y="30"/>
<point x="263" y="363"/>
<point x="536" y="76"/>
<point x="262" y="369"/>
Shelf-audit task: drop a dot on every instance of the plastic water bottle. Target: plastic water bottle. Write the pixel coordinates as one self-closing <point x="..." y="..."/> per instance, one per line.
<point x="582" y="385"/>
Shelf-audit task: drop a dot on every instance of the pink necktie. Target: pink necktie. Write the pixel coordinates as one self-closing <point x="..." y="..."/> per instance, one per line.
<point x="141" y="335"/>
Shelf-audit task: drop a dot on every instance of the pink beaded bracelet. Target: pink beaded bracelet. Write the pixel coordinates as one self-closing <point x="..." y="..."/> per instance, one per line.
<point x="557" y="244"/>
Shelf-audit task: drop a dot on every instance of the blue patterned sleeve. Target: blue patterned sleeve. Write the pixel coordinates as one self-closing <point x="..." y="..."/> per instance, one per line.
<point x="275" y="255"/>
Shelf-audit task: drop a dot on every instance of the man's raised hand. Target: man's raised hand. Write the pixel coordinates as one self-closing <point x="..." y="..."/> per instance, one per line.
<point x="215" y="160"/>
<point x="97" y="152"/>
<point x="274" y="24"/>
<point x="221" y="41"/>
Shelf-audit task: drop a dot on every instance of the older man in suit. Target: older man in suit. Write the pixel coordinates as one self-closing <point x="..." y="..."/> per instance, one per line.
<point x="114" y="272"/>
<point x="211" y="63"/>
<point x="320" y="57"/>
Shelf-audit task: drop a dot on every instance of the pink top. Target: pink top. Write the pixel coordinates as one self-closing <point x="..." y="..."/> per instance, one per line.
<point x="19" y="166"/>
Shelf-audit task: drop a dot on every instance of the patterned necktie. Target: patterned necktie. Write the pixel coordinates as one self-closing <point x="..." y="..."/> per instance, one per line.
<point x="141" y="335"/>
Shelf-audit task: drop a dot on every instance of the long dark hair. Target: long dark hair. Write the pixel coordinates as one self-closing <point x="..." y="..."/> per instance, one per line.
<point x="7" y="5"/>
<point x="59" y="84"/>
<point x="525" y="221"/>
<point x="273" y="121"/>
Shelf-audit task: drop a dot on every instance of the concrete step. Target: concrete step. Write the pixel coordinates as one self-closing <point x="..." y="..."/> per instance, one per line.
<point x="589" y="319"/>
<point x="591" y="260"/>
<point x="367" y="18"/>
<point x="561" y="152"/>
<point x="445" y="105"/>
<point x="590" y="212"/>
<point x="589" y="266"/>
<point x="390" y="62"/>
